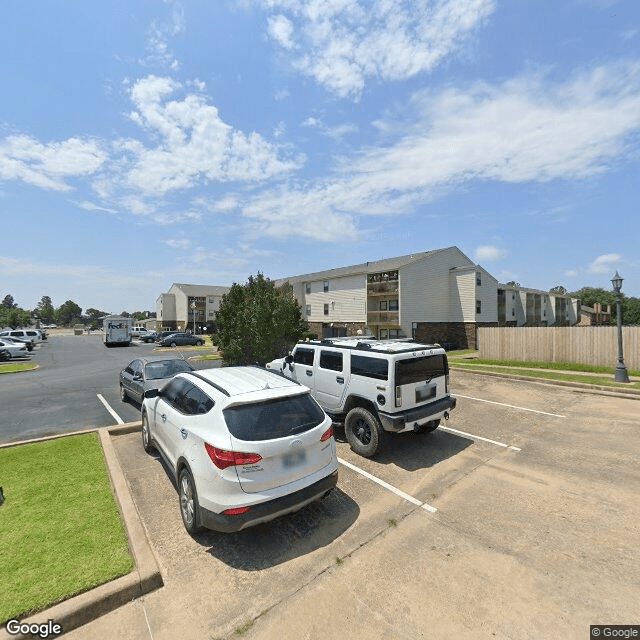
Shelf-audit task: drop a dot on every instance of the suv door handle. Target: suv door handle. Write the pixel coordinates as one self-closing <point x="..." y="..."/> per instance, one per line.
<point x="164" y="417"/>
<point x="340" y="379"/>
<point x="309" y="373"/>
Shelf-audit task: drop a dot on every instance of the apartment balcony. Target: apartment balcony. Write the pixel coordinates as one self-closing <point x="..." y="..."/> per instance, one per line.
<point x="382" y="288"/>
<point x="383" y="318"/>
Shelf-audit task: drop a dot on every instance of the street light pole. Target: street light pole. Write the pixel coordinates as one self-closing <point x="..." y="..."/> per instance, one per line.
<point x="193" y="308"/>
<point x="621" y="374"/>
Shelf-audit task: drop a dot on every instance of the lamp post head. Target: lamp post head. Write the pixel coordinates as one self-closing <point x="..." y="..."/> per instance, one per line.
<point x="616" y="281"/>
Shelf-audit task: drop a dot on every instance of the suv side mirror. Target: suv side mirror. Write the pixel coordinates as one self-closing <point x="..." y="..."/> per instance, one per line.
<point x="289" y="359"/>
<point x="152" y="393"/>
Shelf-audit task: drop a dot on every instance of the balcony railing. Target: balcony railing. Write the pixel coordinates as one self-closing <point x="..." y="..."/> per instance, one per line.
<point x="382" y="288"/>
<point x="383" y="317"/>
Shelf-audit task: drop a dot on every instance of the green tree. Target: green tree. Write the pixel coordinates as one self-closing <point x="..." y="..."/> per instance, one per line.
<point x="44" y="310"/>
<point x="8" y="302"/>
<point x="14" y="317"/>
<point x="558" y="290"/>
<point x="68" y="313"/>
<point x="258" y="322"/>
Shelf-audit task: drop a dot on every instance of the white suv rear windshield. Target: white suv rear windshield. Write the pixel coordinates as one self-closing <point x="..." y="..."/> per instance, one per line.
<point x="279" y="418"/>
<point x="421" y="369"/>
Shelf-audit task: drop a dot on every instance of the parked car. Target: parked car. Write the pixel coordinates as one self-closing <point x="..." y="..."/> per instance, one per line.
<point x="15" y="349"/>
<point x="377" y="387"/>
<point x="143" y="374"/>
<point x="150" y="336"/>
<point x="30" y="334"/>
<point x="25" y="341"/>
<point x="245" y="445"/>
<point x="175" y="339"/>
<point x="164" y="334"/>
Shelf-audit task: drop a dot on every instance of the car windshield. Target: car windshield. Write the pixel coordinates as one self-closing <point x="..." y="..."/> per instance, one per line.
<point x="273" y="419"/>
<point x="165" y="369"/>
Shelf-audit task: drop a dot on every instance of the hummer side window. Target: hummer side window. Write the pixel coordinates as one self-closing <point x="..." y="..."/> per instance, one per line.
<point x="369" y="367"/>
<point x="304" y="356"/>
<point x="331" y="360"/>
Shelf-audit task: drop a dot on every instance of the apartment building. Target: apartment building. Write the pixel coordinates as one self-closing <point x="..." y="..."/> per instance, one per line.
<point x="433" y="296"/>
<point x="185" y="303"/>
<point x="520" y="306"/>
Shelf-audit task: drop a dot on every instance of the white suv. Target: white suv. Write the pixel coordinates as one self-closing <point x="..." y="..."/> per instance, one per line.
<point x="245" y="445"/>
<point x="376" y="386"/>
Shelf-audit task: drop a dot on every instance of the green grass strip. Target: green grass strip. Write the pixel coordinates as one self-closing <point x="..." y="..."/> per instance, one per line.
<point x="556" y="366"/>
<point x="549" y="375"/>
<point x="13" y="367"/>
<point x="60" y="528"/>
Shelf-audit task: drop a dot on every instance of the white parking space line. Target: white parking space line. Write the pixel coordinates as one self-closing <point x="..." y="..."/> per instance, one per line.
<point x="391" y="488"/>
<point x="511" y="406"/>
<point x="116" y="417"/>
<point x="470" y="435"/>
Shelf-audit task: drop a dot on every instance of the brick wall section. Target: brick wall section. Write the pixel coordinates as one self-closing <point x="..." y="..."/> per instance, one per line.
<point x="463" y="335"/>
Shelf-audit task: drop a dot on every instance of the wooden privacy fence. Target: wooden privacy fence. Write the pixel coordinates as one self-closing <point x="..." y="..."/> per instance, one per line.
<point x="585" y="345"/>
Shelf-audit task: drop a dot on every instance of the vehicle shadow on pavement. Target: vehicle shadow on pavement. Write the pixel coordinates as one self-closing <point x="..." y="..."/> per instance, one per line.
<point x="413" y="451"/>
<point x="272" y="543"/>
<point x="285" y="538"/>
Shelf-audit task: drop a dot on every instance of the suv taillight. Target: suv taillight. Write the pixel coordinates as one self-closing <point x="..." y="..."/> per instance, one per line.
<point x="398" y="396"/>
<point x="446" y="383"/>
<point x="327" y="434"/>
<point x="223" y="458"/>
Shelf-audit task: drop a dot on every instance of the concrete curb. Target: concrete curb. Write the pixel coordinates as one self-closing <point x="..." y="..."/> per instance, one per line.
<point x="146" y="575"/>
<point x="579" y="387"/>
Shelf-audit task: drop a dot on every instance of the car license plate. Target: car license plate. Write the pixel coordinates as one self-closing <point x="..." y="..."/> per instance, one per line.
<point x="425" y="393"/>
<point x="293" y="459"/>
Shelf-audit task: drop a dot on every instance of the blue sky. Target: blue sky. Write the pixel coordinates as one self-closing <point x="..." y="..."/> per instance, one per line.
<point x="154" y="142"/>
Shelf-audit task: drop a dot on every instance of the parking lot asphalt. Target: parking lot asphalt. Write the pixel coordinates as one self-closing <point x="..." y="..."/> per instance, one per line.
<point x="518" y="518"/>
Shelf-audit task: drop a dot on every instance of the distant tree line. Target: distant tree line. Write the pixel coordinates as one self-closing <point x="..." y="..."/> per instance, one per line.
<point x="591" y="295"/>
<point x="67" y="314"/>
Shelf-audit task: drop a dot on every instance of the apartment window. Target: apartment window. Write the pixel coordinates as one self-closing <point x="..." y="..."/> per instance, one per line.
<point x="307" y="287"/>
<point x="326" y="309"/>
<point x="513" y="313"/>
<point x="325" y="286"/>
<point x="211" y="299"/>
<point x="383" y="305"/>
<point x="478" y="278"/>
<point x="478" y="307"/>
<point x="393" y="305"/>
<point x="308" y="309"/>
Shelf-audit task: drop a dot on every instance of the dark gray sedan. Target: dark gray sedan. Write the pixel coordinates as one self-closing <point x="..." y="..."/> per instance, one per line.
<point x="175" y="339"/>
<point x="149" y="373"/>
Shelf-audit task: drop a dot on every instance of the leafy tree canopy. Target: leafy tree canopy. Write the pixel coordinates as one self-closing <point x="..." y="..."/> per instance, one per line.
<point x="8" y="302"/>
<point x="44" y="310"/>
<point x="558" y="289"/>
<point x="258" y="322"/>
<point x="14" y="317"/>
<point x="68" y="313"/>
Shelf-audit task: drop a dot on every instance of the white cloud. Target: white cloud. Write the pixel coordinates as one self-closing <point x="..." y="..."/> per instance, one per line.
<point x="344" y="43"/>
<point x="281" y="30"/>
<point x="92" y="206"/>
<point x="488" y="253"/>
<point x="175" y="243"/>
<point x="605" y="263"/>
<point x="193" y="143"/>
<point x="49" y="165"/>
<point x="523" y="130"/>
<point x="571" y="273"/>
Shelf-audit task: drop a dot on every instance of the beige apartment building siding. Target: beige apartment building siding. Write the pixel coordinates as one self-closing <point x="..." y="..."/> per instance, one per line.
<point x="428" y="292"/>
<point x="346" y="299"/>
